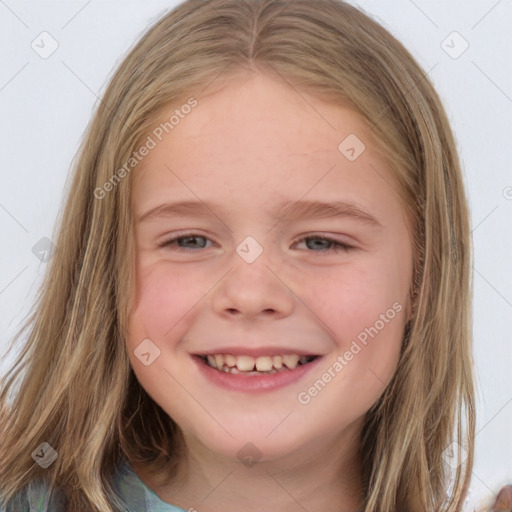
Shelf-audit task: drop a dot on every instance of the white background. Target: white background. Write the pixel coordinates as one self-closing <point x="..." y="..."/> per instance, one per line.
<point x="46" y="104"/>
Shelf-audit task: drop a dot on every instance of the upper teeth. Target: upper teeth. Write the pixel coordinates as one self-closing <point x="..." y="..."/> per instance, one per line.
<point x="262" y="363"/>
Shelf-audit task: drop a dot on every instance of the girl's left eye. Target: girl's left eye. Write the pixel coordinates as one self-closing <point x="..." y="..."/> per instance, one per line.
<point x="335" y="246"/>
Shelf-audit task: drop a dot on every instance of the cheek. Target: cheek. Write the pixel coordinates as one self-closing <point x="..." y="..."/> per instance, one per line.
<point x="163" y="311"/>
<point x="350" y="299"/>
<point x="366" y="317"/>
<point x="165" y="295"/>
<point x="364" y="308"/>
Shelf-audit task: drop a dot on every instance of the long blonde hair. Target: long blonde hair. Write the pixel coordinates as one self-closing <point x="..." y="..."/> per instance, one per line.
<point x="72" y="385"/>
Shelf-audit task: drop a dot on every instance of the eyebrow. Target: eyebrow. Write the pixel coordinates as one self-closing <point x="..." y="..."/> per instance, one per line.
<point x="291" y="209"/>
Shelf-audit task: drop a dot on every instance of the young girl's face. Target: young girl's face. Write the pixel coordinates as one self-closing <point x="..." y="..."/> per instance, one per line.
<point x="251" y="277"/>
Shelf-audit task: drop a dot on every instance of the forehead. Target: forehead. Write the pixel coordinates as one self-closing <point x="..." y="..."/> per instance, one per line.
<point x="259" y="133"/>
<point x="258" y="112"/>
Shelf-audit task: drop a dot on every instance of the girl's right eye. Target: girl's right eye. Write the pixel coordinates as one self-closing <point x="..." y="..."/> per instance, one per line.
<point x="188" y="237"/>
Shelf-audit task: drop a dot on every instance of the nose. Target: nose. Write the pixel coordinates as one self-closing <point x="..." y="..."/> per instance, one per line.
<point x="253" y="290"/>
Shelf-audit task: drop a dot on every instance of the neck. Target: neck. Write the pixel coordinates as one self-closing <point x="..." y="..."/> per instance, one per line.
<point x="324" y="475"/>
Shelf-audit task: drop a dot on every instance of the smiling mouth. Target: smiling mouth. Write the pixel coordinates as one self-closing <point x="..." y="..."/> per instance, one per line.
<point x="262" y="365"/>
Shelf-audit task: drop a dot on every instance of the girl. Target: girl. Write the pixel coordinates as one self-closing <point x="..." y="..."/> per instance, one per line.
<point x="260" y="293"/>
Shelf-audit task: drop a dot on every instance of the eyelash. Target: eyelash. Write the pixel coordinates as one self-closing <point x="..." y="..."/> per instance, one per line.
<point x="338" y="246"/>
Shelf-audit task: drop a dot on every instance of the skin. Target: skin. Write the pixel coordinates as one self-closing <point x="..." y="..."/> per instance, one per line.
<point x="249" y="145"/>
<point x="503" y="501"/>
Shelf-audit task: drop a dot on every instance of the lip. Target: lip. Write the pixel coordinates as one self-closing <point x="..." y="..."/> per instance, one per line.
<point x="254" y="383"/>
<point x="256" y="352"/>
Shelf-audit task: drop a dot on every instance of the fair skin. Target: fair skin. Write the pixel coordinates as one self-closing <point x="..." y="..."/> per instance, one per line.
<point x="247" y="147"/>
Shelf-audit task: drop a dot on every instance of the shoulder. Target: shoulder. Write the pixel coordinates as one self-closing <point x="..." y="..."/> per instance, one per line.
<point x="37" y="496"/>
<point x="136" y="495"/>
<point x="131" y="493"/>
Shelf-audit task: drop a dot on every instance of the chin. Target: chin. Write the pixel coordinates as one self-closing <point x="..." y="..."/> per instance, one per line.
<point x="263" y="442"/>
